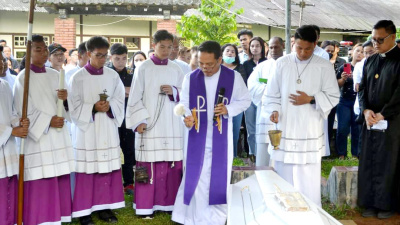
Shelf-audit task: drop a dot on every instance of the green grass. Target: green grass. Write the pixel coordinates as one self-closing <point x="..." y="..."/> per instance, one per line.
<point x="238" y="162"/>
<point x="127" y="216"/>
<point x="328" y="163"/>
<point x="338" y="212"/>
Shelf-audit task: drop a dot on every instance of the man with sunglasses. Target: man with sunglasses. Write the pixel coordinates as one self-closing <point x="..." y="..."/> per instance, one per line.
<point x="97" y="147"/>
<point x="379" y="94"/>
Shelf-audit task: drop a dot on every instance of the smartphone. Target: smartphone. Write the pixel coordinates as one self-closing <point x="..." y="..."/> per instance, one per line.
<point x="347" y="68"/>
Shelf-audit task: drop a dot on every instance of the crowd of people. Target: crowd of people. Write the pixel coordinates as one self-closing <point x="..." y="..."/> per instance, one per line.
<point x="176" y="113"/>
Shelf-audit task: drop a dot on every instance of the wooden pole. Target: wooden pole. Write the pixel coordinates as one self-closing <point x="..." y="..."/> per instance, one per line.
<point x="25" y="112"/>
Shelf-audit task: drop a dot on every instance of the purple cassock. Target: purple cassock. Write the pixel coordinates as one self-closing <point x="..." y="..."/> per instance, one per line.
<point x="197" y="141"/>
<point x="8" y="200"/>
<point x="166" y="176"/>
<point x="97" y="191"/>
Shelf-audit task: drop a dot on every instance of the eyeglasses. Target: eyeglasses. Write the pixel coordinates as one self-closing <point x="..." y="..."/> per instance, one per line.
<point x="100" y="56"/>
<point x="380" y="40"/>
<point x="207" y="66"/>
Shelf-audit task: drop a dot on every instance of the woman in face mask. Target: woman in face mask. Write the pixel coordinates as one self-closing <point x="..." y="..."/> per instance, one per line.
<point x="329" y="47"/>
<point x="138" y="58"/>
<point x="230" y="56"/>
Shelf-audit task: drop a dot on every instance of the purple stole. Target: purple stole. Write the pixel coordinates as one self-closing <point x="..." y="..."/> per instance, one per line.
<point x="197" y="139"/>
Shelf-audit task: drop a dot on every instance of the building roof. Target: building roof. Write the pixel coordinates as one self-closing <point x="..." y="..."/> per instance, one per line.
<point x="17" y="6"/>
<point x="328" y="14"/>
<point x="118" y="7"/>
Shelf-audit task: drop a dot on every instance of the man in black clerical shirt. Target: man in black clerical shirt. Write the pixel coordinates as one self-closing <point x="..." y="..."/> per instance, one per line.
<point x="379" y="94"/>
<point x="119" y="57"/>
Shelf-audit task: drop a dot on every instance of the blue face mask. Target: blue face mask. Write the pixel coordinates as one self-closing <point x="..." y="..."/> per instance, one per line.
<point x="228" y="60"/>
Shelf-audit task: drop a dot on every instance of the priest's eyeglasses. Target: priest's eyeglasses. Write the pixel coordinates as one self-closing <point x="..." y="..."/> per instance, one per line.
<point x="99" y="55"/>
<point x="380" y="40"/>
<point x="206" y="66"/>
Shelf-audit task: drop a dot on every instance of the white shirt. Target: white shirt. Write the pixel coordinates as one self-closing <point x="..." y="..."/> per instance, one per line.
<point x="321" y="52"/>
<point x="243" y="57"/>
<point x="9" y="78"/>
<point x="183" y="65"/>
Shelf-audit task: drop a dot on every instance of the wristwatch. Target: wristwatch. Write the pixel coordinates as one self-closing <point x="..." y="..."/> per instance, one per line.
<point x="312" y="100"/>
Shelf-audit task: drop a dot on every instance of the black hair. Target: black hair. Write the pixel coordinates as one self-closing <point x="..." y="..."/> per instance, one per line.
<point x="96" y="42"/>
<point x="245" y="32"/>
<point x="367" y="43"/>
<point x="118" y="49"/>
<point x="237" y="60"/>
<point x="162" y="35"/>
<point x="281" y="42"/>
<point x="326" y="44"/>
<point x="1" y="47"/>
<point x="335" y="43"/>
<point x="316" y="28"/>
<point x="397" y="41"/>
<point x="211" y="47"/>
<point x="82" y="48"/>
<point x="388" y="25"/>
<point x="262" y="47"/>
<point x="2" y="40"/>
<point x="306" y="33"/>
<point x="22" y="64"/>
<point x="139" y="53"/>
<point x="194" y="49"/>
<point x="71" y="51"/>
<point x="150" y="51"/>
<point x="37" y="38"/>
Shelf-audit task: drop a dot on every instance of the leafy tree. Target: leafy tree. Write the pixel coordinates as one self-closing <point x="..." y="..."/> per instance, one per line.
<point x="398" y="33"/>
<point x="213" y="22"/>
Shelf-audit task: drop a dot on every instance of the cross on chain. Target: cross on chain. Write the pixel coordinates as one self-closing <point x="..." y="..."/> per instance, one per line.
<point x="104" y="155"/>
<point x="295" y="145"/>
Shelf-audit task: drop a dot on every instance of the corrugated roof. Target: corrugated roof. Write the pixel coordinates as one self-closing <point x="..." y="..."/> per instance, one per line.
<point x="120" y="2"/>
<point x="18" y="6"/>
<point x="328" y="14"/>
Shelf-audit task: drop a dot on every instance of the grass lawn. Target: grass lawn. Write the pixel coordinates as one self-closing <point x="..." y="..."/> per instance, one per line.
<point x="127" y="216"/>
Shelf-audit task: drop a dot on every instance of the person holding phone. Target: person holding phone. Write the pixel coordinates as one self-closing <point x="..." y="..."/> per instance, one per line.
<point x="345" y="113"/>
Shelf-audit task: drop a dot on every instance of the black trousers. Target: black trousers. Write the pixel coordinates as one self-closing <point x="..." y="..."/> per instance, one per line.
<point x="331" y="121"/>
<point x="127" y="143"/>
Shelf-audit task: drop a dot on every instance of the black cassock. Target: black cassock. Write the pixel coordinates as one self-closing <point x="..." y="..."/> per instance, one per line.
<point x="378" y="174"/>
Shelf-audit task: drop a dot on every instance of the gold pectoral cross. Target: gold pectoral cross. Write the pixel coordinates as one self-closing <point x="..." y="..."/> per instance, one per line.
<point x="376" y="76"/>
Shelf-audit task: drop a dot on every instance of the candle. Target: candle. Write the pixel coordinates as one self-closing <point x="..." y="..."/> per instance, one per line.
<point x="60" y="103"/>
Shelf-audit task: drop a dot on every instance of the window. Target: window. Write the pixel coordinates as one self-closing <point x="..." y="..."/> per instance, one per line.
<point x="46" y="40"/>
<point x="19" y="54"/>
<point x="132" y="43"/>
<point x="20" y="41"/>
<point x="116" y="40"/>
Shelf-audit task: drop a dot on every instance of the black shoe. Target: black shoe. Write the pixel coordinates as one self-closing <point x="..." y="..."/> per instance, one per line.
<point x="147" y="217"/>
<point x="86" y="220"/>
<point x="369" y="212"/>
<point x="108" y="216"/>
<point x="253" y="158"/>
<point x="385" y="214"/>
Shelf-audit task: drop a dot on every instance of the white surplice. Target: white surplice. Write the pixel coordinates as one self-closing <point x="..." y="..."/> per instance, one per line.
<point x="164" y="142"/>
<point x="199" y="212"/>
<point x="184" y="66"/>
<point x="303" y="142"/>
<point x="96" y="138"/>
<point x="256" y="87"/>
<point x="321" y="52"/>
<point x="8" y="120"/>
<point x="48" y="152"/>
<point x="9" y="78"/>
<point x="357" y="75"/>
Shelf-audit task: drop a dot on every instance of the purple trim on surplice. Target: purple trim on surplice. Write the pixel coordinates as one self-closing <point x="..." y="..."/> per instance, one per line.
<point x="162" y="192"/>
<point x="92" y="70"/>
<point x="98" y="189"/>
<point x="37" y="69"/>
<point x="8" y="200"/>
<point x="197" y="140"/>
<point x="171" y="97"/>
<point x="47" y="200"/>
<point x="157" y="61"/>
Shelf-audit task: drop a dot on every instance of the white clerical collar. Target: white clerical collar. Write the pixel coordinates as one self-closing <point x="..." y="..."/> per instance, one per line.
<point x="384" y="54"/>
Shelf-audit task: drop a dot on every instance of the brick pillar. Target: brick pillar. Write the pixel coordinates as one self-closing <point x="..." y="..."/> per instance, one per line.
<point x="65" y="33"/>
<point x="169" y="25"/>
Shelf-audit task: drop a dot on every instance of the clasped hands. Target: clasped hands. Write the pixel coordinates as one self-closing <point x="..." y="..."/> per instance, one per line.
<point x="219" y="110"/>
<point x="372" y="118"/>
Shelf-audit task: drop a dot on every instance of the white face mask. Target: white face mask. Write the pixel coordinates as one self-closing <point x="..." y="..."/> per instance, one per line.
<point x="138" y="63"/>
